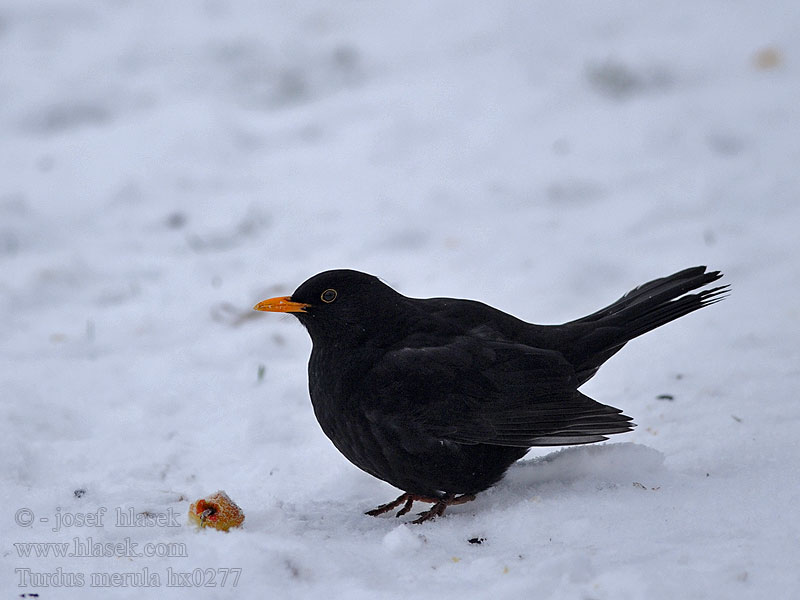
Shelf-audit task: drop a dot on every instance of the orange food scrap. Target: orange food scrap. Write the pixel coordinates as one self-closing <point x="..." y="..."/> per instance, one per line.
<point x="217" y="511"/>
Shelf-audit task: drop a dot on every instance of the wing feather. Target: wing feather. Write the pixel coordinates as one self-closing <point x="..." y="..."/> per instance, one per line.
<point x="478" y="391"/>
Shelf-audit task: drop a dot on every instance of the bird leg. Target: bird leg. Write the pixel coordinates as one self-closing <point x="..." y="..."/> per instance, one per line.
<point x="407" y="499"/>
<point x="437" y="510"/>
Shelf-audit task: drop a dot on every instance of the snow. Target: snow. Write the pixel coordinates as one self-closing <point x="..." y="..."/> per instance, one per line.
<point x="167" y="165"/>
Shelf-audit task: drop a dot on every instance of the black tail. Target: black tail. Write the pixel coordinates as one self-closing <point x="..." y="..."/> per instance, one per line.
<point x="602" y="334"/>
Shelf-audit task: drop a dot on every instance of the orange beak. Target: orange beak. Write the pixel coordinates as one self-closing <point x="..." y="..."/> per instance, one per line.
<point x="281" y="304"/>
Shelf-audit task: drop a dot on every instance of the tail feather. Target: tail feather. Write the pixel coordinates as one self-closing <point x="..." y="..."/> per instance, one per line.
<point x="657" y="291"/>
<point x="674" y="309"/>
<point x="603" y="333"/>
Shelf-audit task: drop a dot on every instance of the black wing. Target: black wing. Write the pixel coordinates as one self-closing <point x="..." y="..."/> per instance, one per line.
<point x="478" y="391"/>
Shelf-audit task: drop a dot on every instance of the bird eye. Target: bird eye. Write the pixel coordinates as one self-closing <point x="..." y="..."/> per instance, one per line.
<point x="328" y="296"/>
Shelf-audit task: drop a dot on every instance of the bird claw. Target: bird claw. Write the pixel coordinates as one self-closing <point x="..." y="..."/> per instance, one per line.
<point x="406" y="499"/>
<point x="437" y="510"/>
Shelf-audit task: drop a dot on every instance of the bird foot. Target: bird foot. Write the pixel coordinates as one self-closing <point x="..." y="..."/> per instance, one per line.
<point x="407" y="500"/>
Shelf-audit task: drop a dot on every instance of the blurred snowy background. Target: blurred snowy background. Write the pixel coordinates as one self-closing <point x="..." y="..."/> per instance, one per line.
<point x="165" y="165"/>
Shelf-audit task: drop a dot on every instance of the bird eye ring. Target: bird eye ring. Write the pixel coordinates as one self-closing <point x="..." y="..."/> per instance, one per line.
<point x="328" y="296"/>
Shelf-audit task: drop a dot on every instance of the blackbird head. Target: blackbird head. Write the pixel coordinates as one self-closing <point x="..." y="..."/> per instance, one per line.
<point x="339" y="304"/>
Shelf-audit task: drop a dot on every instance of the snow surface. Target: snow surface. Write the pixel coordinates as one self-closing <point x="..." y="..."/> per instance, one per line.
<point x="165" y="165"/>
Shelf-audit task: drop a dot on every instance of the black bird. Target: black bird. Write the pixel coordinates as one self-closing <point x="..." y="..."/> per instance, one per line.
<point x="440" y="396"/>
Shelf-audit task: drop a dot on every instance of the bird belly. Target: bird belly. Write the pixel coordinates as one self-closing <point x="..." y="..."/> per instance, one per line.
<point x="423" y="465"/>
<point x="397" y="451"/>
